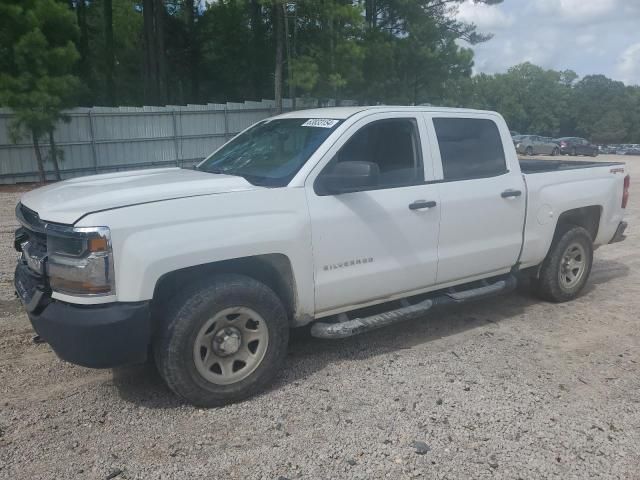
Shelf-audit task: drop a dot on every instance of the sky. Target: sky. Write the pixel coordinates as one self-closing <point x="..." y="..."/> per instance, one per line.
<point x="587" y="36"/>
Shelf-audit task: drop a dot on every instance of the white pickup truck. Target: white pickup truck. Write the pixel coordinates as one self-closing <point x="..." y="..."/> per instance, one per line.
<point x="345" y="219"/>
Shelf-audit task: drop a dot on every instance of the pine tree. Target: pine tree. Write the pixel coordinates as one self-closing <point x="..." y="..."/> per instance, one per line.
<point x="36" y="74"/>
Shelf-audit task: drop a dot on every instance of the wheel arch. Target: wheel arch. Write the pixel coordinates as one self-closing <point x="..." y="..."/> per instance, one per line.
<point x="274" y="270"/>
<point x="586" y="217"/>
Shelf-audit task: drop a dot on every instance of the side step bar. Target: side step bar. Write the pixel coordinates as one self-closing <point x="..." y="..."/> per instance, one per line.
<point x="356" y="326"/>
<point x="481" y="292"/>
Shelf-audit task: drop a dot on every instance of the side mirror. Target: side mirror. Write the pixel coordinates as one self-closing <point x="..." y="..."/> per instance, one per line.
<point x="350" y="176"/>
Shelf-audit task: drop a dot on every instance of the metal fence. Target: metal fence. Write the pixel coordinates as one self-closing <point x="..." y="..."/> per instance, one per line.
<point x="100" y="139"/>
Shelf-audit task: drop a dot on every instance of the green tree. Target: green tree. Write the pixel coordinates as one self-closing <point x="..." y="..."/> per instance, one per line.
<point x="530" y="98"/>
<point x="330" y="47"/>
<point x="595" y="96"/>
<point x="37" y="58"/>
<point x="610" y="128"/>
<point x="412" y="52"/>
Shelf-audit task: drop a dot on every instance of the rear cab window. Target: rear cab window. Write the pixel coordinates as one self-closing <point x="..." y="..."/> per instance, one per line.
<point x="469" y="148"/>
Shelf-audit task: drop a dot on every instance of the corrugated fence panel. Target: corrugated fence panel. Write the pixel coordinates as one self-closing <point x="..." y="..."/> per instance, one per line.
<point x="105" y="139"/>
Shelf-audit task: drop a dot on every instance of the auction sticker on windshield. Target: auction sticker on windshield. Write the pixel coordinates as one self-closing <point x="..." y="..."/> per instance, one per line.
<point x="320" y="122"/>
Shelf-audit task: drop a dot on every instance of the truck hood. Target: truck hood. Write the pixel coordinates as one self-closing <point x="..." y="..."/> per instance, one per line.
<point x="66" y="202"/>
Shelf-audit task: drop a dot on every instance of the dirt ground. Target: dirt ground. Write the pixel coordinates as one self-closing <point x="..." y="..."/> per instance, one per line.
<point x="510" y="387"/>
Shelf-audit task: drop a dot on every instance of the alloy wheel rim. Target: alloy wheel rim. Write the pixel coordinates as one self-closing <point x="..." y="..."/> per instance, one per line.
<point x="230" y="345"/>
<point x="573" y="265"/>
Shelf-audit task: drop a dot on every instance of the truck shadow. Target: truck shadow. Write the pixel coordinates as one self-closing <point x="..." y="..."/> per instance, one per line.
<point x="142" y="384"/>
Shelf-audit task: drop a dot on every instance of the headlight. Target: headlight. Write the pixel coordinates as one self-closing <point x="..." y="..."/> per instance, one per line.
<point x="80" y="261"/>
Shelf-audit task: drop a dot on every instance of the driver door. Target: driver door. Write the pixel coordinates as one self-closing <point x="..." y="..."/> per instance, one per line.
<point x="382" y="240"/>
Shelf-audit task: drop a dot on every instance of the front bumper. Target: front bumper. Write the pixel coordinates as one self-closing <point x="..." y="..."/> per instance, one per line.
<point x="619" y="235"/>
<point x="95" y="336"/>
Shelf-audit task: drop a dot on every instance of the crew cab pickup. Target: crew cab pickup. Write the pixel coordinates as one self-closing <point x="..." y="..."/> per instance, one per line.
<point x="339" y="219"/>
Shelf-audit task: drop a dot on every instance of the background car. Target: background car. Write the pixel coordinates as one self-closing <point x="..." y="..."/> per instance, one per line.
<point x="536" y="145"/>
<point x="632" y="150"/>
<point x="608" y="149"/>
<point x="576" y="146"/>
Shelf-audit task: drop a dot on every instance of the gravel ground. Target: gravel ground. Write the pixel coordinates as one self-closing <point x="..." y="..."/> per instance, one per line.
<point x="504" y="388"/>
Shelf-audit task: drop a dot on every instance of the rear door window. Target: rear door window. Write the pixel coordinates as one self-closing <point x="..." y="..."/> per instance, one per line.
<point x="469" y="148"/>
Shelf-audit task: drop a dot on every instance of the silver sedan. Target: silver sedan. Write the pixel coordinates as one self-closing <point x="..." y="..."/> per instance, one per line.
<point x="535" y="145"/>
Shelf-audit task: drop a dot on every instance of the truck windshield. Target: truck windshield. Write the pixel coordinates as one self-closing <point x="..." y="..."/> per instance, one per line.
<point x="271" y="152"/>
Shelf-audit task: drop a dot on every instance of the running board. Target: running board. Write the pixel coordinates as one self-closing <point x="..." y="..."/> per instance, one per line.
<point x="360" y="325"/>
<point x="356" y="326"/>
<point x="484" y="291"/>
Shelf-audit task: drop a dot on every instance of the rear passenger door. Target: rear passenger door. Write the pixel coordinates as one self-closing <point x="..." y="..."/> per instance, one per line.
<point x="482" y="199"/>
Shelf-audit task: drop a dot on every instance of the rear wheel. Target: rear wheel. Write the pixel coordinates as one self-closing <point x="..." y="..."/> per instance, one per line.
<point x="555" y="152"/>
<point x="529" y="151"/>
<point x="224" y="340"/>
<point x="566" y="269"/>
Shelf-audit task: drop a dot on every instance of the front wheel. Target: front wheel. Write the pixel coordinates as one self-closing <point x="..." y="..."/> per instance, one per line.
<point x="224" y="340"/>
<point x="529" y="151"/>
<point x="566" y="269"/>
<point x="555" y="152"/>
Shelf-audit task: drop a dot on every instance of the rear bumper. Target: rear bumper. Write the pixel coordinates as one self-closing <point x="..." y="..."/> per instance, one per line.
<point x="619" y="235"/>
<point x="95" y="336"/>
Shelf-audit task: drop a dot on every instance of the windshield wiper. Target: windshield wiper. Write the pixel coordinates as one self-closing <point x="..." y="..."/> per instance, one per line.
<point x="253" y="179"/>
<point x="217" y="171"/>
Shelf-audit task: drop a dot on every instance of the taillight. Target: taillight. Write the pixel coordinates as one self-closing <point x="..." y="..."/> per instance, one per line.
<point x="563" y="144"/>
<point x="625" y="191"/>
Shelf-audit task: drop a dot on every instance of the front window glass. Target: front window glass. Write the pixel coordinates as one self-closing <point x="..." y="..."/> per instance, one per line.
<point x="393" y="145"/>
<point x="271" y="152"/>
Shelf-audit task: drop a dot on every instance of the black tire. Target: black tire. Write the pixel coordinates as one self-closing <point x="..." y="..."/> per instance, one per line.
<point x="184" y="320"/>
<point x="594" y="153"/>
<point x="529" y="151"/>
<point x="548" y="285"/>
<point x="555" y="152"/>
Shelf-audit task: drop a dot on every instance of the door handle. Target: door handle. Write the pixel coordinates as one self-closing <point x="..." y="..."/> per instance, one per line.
<point x="420" y="204"/>
<point x="510" y="193"/>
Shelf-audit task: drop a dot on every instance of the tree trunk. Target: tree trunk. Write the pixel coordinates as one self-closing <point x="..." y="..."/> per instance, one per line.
<point x="109" y="51"/>
<point x="83" y="40"/>
<point x="54" y="155"/>
<point x="36" y="147"/>
<point x="295" y="47"/>
<point x="192" y="50"/>
<point x="277" y="77"/>
<point x="155" y="65"/>
<point x="292" y="88"/>
<point x="257" y="47"/>
<point x="163" y="89"/>
<point x="370" y="13"/>
<point x="150" y="62"/>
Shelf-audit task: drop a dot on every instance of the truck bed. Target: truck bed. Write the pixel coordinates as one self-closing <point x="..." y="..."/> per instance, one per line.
<point x="529" y="166"/>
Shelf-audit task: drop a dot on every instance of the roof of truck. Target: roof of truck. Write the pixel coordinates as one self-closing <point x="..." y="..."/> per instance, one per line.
<point x="346" y="112"/>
